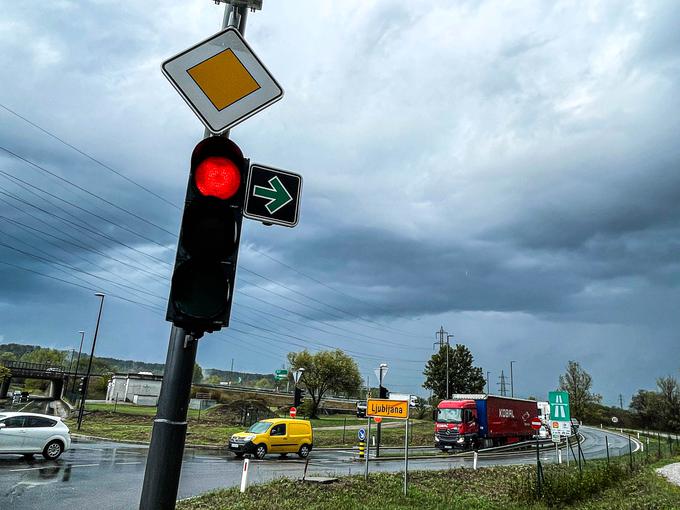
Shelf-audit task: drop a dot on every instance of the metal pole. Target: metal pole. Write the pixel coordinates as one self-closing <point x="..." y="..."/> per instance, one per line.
<point x="164" y="460"/>
<point x="447" y="366"/>
<point x="630" y="452"/>
<point x="82" y="336"/>
<point x="538" y="469"/>
<point x="406" y="460"/>
<point x="488" y="384"/>
<point x="606" y="442"/>
<point x="86" y="383"/>
<point x="368" y="446"/>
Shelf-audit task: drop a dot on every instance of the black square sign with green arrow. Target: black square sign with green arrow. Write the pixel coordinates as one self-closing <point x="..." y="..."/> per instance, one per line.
<point x="273" y="195"/>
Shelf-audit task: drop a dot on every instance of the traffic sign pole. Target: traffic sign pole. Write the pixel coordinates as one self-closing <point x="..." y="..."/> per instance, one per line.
<point x="164" y="460"/>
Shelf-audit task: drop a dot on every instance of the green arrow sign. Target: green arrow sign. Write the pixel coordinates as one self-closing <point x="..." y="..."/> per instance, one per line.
<point x="559" y="406"/>
<point x="277" y="194"/>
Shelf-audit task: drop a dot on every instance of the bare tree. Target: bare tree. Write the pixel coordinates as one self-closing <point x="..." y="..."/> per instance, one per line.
<point x="578" y="383"/>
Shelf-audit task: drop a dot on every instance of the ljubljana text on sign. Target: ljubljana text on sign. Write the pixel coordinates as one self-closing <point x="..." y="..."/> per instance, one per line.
<point x="387" y="408"/>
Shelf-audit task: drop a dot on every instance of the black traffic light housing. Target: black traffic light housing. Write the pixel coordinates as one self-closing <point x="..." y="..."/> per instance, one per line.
<point x="299" y="397"/>
<point x="384" y="393"/>
<point x="81" y="385"/>
<point x="207" y="253"/>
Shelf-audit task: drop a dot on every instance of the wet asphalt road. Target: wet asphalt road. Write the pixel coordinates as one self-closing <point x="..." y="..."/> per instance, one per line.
<point x="106" y="475"/>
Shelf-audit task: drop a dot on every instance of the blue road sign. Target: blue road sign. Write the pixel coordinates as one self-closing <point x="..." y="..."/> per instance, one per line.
<point x="362" y="434"/>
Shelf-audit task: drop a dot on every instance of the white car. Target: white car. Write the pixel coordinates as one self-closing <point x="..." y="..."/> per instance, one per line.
<point x="28" y="434"/>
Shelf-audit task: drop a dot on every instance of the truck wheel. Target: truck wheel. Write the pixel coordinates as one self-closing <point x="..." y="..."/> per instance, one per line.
<point x="260" y="451"/>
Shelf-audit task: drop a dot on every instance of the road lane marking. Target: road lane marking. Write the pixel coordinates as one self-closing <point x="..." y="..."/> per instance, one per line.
<point x="126" y="463"/>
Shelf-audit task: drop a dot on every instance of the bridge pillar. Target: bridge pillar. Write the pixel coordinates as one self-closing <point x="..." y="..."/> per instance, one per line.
<point x="4" y="388"/>
<point x="56" y="388"/>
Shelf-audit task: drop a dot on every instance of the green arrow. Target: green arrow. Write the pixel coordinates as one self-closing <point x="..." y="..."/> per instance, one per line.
<point x="277" y="195"/>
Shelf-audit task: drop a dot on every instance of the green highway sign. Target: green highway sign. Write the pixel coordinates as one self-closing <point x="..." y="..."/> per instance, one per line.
<point x="281" y="372"/>
<point x="559" y="406"/>
<point x="273" y="196"/>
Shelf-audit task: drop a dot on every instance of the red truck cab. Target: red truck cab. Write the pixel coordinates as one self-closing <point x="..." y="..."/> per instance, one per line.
<point x="456" y="424"/>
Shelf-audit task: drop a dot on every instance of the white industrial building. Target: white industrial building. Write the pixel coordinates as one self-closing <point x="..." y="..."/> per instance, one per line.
<point x="142" y="388"/>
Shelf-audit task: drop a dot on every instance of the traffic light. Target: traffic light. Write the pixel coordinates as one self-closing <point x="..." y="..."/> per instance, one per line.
<point x="383" y="392"/>
<point x="81" y="385"/>
<point x="299" y="397"/>
<point x="205" y="268"/>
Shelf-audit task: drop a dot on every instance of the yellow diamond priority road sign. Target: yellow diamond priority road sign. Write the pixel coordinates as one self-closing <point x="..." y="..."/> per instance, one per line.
<point x="387" y="408"/>
<point x="222" y="80"/>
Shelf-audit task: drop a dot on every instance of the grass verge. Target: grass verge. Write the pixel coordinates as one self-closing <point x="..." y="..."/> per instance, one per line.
<point x="507" y="488"/>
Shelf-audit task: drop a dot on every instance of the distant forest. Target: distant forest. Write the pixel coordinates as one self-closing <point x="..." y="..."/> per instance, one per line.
<point x="37" y="354"/>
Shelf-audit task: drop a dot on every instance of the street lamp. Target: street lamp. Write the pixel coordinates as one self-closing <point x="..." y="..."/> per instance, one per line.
<point x="488" y="386"/>
<point x="80" y="349"/>
<point x="89" y="364"/>
<point x="512" y="383"/>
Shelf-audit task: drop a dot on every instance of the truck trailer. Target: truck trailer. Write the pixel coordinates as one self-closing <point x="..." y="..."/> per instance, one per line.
<point x="471" y="421"/>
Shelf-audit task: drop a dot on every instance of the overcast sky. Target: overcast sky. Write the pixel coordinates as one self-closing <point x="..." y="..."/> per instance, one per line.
<point x="508" y="170"/>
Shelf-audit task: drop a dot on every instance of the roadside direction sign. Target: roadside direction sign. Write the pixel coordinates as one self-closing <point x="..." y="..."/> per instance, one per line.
<point x="273" y="195"/>
<point x="222" y="80"/>
<point x="387" y="408"/>
<point x="280" y="375"/>
<point x="361" y="434"/>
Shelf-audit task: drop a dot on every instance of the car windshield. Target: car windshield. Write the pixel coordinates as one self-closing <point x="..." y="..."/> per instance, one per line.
<point x="449" y="416"/>
<point x="260" y="427"/>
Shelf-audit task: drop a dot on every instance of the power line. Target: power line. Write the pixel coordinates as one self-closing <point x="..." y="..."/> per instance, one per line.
<point x="91" y="158"/>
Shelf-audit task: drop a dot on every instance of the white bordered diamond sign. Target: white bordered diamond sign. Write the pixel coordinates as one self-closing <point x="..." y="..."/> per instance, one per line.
<point x="222" y="80"/>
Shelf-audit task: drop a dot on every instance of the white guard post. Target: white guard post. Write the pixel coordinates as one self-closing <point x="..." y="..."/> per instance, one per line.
<point x="244" y="475"/>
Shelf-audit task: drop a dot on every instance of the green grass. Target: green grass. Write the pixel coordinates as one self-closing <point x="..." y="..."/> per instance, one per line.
<point x="495" y="488"/>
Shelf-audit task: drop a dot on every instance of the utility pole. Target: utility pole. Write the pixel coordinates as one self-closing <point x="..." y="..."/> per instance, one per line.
<point x="512" y="381"/>
<point x="164" y="460"/>
<point x="89" y="364"/>
<point x="440" y="335"/>
<point x="503" y="389"/>
<point x="620" y="401"/>
<point x="488" y="382"/>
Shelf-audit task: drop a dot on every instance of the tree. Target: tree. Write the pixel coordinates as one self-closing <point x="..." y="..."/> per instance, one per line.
<point x="198" y="374"/>
<point x="669" y="394"/>
<point x="578" y="383"/>
<point x="4" y="373"/>
<point x="263" y="383"/>
<point x="213" y="379"/>
<point x="326" y="371"/>
<point x="45" y="356"/>
<point x="8" y="356"/>
<point x="463" y="377"/>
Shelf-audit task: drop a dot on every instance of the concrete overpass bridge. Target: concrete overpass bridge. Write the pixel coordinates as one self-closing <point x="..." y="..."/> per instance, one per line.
<point x="57" y="376"/>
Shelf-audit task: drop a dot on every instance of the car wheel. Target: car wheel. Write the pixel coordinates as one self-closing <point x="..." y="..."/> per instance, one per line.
<point x="260" y="451"/>
<point x="53" y="450"/>
<point x="304" y="451"/>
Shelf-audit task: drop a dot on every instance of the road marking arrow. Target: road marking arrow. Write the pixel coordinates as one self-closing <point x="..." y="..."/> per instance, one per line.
<point x="277" y="195"/>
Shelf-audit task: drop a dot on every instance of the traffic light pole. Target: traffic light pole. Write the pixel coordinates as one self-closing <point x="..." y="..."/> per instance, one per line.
<point x="164" y="460"/>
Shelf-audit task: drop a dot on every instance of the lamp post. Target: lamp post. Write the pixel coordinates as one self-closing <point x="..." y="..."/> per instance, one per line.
<point x="512" y="382"/>
<point x="488" y="386"/>
<point x="80" y="349"/>
<point x="89" y="364"/>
